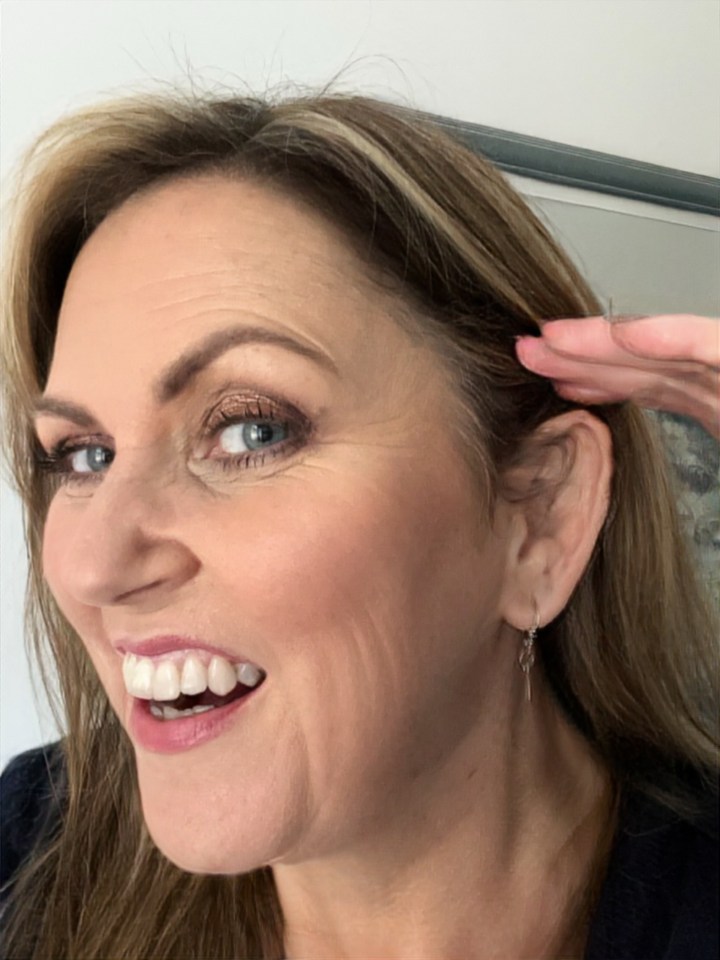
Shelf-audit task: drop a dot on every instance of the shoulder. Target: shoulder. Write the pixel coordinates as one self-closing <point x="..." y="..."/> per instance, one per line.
<point x="31" y="792"/>
<point x="659" y="900"/>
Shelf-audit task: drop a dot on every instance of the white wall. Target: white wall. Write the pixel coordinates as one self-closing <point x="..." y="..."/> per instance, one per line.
<point x="638" y="78"/>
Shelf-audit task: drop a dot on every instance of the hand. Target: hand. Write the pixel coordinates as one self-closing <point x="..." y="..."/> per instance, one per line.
<point x="669" y="362"/>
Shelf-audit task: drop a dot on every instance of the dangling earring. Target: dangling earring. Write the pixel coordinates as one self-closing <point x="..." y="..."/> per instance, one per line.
<point x="526" y="658"/>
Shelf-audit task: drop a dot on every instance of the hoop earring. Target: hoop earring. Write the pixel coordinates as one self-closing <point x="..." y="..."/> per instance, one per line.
<point x="526" y="658"/>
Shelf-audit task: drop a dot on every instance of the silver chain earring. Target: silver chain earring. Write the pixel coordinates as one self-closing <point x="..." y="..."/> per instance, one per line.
<point x="526" y="658"/>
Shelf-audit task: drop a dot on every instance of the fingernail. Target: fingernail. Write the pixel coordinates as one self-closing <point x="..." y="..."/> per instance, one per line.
<point x="529" y="343"/>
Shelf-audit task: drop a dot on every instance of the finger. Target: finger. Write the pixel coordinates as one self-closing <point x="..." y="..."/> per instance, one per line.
<point x="535" y="354"/>
<point x="667" y="397"/>
<point x="680" y="386"/>
<point x="629" y="382"/>
<point x="666" y="336"/>
<point x="539" y="356"/>
<point x="671" y="337"/>
<point x="622" y="380"/>
<point x="589" y="339"/>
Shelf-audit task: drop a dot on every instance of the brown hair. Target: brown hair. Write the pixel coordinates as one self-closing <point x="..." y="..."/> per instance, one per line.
<point x="631" y="657"/>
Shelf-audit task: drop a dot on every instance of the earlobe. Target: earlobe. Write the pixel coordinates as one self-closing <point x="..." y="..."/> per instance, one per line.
<point x="559" y="493"/>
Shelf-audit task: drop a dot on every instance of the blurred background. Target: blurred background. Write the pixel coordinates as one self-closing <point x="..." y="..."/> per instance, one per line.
<point x="636" y="80"/>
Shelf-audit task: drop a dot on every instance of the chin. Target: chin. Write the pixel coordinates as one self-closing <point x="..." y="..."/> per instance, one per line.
<point x="203" y="837"/>
<point x="203" y="854"/>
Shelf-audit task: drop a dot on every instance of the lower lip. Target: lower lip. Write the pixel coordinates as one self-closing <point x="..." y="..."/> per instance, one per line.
<point x="183" y="733"/>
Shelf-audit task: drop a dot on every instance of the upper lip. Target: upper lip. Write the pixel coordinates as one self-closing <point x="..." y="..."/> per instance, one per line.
<point x="168" y="643"/>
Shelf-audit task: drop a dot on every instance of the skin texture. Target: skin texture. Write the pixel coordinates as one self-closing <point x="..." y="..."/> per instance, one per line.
<point x="409" y="799"/>
<point x="669" y="362"/>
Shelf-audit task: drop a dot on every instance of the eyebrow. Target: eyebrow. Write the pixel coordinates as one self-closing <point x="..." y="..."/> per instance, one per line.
<point x="180" y="374"/>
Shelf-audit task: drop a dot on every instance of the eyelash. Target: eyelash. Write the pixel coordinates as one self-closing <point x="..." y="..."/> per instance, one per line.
<point x="54" y="462"/>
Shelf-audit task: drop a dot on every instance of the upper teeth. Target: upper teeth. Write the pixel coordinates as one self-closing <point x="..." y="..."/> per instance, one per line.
<point x="167" y="679"/>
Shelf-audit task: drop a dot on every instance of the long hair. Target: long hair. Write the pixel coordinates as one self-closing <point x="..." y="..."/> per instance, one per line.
<point x="631" y="658"/>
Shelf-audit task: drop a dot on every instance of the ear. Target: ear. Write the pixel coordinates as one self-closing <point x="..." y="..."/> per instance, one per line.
<point x="555" y="499"/>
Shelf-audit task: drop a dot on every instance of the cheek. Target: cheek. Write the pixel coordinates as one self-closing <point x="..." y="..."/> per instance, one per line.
<point x="84" y="619"/>
<point x="57" y="537"/>
<point x="312" y="558"/>
<point x="358" y="598"/>
<point x="344" y="581"/>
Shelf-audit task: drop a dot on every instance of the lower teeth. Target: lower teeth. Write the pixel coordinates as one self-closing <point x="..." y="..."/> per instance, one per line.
<point x="170" y="713"/>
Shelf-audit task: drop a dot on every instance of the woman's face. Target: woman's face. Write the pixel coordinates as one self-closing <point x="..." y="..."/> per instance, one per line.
<point x="336" y="545"/>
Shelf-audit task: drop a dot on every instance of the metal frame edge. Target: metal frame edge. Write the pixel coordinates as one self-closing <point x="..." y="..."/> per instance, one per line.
<point x="585" y="169"/>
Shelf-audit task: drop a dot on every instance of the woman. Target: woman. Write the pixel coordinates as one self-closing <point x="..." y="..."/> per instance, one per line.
<point x="356" y="620"/>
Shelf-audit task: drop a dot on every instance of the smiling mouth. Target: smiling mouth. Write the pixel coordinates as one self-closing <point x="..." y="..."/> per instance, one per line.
<point x="182" y="684"/>
<point x="188" y="705"/>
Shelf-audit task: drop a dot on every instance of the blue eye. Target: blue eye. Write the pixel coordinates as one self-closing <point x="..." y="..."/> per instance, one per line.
<point x="74" y="463"/>
<point x="91" y="459"/>
<point x="248" y="437"/>
<point x="242" y="437"/>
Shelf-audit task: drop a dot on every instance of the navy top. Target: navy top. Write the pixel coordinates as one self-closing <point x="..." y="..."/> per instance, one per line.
<point x="659" y="900"/>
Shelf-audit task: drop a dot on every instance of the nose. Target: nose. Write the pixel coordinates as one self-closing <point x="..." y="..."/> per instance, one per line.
<point x="122" y="545"/>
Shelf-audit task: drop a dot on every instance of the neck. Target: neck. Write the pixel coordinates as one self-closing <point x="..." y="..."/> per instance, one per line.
<point x="493" y="856"/>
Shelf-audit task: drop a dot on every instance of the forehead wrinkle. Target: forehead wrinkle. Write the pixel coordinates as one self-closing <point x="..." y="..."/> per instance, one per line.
<point x="325" y="258"/>
<point x="314" y="281"/>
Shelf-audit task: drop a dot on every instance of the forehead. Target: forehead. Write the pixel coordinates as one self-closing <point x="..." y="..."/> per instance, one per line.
<point x="217" y="222"/>
<point x="183" y="255"/>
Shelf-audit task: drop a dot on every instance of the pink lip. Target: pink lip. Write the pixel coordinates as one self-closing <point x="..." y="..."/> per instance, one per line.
<point x="157" y="646"/>
<point x="174" y="736"/>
